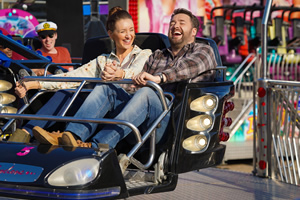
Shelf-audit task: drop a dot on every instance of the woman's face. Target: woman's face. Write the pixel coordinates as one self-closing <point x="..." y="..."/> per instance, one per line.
<point x="123" y="35"/>
<point x="6" y="50"/>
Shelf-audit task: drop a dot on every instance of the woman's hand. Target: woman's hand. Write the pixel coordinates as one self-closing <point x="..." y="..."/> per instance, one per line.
<point x="112" y="72"/>
<point x="21" y="89"/>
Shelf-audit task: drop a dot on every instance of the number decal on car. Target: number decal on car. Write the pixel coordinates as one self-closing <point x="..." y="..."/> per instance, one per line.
<point x="24" y="151"/>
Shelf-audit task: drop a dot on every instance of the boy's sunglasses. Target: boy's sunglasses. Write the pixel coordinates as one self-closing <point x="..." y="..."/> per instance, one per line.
<point x="44" y="36"/>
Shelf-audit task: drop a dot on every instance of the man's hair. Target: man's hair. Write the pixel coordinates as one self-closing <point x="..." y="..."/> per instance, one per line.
<point x="195" y="21"/>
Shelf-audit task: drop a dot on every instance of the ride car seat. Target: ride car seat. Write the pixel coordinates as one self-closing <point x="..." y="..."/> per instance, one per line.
<point x="34" y="42"/>
<point x="94" y="47"/>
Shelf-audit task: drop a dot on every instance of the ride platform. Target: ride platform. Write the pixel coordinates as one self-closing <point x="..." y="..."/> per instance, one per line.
<point x="215" y="183"/>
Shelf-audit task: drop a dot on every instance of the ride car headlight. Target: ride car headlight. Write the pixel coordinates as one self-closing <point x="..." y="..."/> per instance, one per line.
<point x="5" y="85"/>
<point x="195" y="143"/>
<point x="200" y="123"/>
<point x="75" y="173"/>
<point x="204" y="104"/>
<point x="8" y="109"/>
<point x="6" y="98"/>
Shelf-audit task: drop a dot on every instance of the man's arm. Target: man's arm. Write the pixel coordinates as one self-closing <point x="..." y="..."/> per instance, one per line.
<point x="143" y="77"/>
<point x="192" y="64"/>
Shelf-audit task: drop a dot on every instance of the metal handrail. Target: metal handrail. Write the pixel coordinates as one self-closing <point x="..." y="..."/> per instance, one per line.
<point x="59" y="64"/>
<point x="281" y="129"/>
<point x="272" y="82"/>
<point x="140" y="140"/>
<point x="75" y="119"/>
<point x="241" y="66"/>
<point x="264" y="34"/>
<point x="241" y="70"/>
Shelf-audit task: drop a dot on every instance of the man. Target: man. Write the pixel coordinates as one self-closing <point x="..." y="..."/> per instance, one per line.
<point x="47" y="34"/>
<point x="184" y="60"/>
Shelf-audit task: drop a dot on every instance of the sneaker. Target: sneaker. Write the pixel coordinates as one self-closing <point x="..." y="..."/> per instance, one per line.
<point x="45" y="137"/>
<point x="19" y="136"/>
<point x="84" y="144"/>
<point x="68" y="139"/>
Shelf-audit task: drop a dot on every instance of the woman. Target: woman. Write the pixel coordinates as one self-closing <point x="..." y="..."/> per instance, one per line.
<point x="125" y="61"/>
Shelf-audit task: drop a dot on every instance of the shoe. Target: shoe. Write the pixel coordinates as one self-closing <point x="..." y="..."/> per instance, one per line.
<point x="68" y="139"/>
<point x="84" y="144"/>
<point x="19" y="136"/>
<point x="45" y="137"/>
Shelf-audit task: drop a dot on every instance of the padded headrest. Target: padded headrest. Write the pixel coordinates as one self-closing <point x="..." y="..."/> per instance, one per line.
<point x="99" y="45"/>
<point x="152" y="41"/>
<point x="34" y="42"/>
<point x="96" y="46"/>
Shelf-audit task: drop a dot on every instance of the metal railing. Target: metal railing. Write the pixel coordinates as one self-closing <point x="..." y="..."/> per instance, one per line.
<point x="276" y="129"/>
<point x="243" y="98"/>
<point x="277" y="150"/>
<point x="150" y="133"/>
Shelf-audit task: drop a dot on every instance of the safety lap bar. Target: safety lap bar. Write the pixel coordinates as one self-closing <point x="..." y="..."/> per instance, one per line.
<point x="98" y="80"/>
<point x="59" y="64"/>
<point x="140" y="140"/>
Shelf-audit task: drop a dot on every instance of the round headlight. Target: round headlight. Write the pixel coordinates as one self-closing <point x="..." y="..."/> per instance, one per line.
<point x="200" y="123"/>
<point x="6" y="98"/>
<point x="204" y="104"/>
<point x="195" y="143"/>
<point x="8" y="109"/>
<point x="76" y="173"/>
<point x="5" y="85"/>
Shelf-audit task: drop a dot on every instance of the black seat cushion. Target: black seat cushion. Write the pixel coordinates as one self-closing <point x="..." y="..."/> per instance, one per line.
<point x="34" y="42"/>
<point x="99" y="45"/>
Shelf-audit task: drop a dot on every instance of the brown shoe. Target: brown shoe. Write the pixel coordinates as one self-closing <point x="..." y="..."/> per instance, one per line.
<point x="45" y="137"/>
<point x="68" y="139"/>
<point x="19" y="135"/>
<point x="84" y="144"/>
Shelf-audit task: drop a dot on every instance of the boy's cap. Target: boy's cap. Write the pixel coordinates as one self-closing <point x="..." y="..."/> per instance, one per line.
<point x="46" y="28"/>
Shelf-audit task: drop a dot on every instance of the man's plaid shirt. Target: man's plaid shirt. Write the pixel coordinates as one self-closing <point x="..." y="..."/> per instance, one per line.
<point x="192" y="60"/>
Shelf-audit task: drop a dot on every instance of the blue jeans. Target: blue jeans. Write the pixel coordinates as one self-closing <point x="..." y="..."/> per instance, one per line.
<point x="112" y="101"/>
<point x="55" y="104"/>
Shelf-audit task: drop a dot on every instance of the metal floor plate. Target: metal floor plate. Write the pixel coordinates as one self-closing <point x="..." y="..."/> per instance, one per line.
<point x="214" y="183"/>
<point x="135" y="184"/>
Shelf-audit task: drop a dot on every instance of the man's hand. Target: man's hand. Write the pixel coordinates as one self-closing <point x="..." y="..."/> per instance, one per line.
<point x="143" y="77"/>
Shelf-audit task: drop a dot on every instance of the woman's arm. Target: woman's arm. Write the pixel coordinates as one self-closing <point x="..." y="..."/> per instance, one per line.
<point x="87" y="70"/>
<point x="137" y="65"/>
<point x="21" y="89"/>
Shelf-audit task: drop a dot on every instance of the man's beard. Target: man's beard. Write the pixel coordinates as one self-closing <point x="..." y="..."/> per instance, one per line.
<point x="177" y="43"/>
